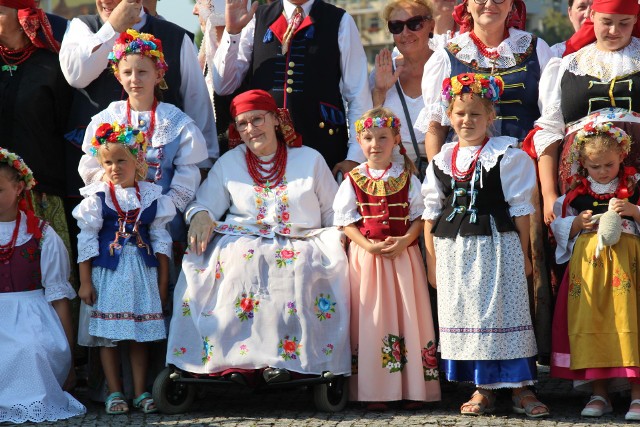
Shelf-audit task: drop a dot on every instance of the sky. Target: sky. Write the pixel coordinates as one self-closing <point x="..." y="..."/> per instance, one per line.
<point x="179" y="12"/>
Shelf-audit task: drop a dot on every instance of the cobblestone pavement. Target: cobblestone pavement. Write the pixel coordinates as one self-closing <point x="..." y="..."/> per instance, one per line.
<point x="237" y="406"/>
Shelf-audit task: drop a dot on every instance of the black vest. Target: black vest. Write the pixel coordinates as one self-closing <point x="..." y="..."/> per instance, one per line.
<point x="594" y="95"/>
<point x="587" y="202"/>
<point x="489" y="202"/>
<point x="105" y="89"/>
<point x="306" y="80"/>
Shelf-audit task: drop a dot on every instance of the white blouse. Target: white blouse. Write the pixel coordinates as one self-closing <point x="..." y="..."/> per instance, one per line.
<point x="89" y="215"/>
<point x="561" y="226"/>
<point x="438" y="68"/>
<point x="171" y="125"/>
<point x="517" y="175"/>
<point x="54" y="259"/>
<point x="344" y="205"/>
<point x="587" y="61"/>
<point x="299" y="207"/>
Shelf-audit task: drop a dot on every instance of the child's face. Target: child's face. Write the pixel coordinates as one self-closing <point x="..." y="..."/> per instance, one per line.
<point x="118" y="164"/>
<point x="470" y="119"/>
<point x="603" y="167"/>
<point x="377" y="145"/>
<point x="139" y="76"/>
<point x="9" y="192"/>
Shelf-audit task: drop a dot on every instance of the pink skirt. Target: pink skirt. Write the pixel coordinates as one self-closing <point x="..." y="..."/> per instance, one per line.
<point x="392" y="338"/>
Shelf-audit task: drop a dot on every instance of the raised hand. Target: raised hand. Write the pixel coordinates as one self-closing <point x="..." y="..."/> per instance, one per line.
<point x="125" y="15"/>
<point x="236" y="15"/>
<point x="386" y="77"/>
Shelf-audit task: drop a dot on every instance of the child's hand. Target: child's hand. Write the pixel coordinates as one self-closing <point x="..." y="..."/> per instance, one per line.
<point x="377" y="247"/>
<point x="87" y="294"/>
<point x="547" y="202"/>
<point x="624" y="207"/>
<point x="396" y="246"/>
<point x="583" y="220"/>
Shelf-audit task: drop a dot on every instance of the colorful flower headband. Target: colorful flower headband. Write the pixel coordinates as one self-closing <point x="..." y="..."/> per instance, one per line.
<point x="133" y="42"/>
<point x="592" y="129"/>
<point x="378" y="122"/>
<point x="18" y="164"/>
<point x="131" y="138"/>
<point x="487" y="86"/>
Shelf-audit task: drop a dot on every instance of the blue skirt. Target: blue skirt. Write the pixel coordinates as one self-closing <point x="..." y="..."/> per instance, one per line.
<point x="511" y="373"/>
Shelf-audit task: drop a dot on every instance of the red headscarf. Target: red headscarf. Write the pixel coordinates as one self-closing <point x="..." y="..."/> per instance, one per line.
<point x="257" y="99"/>
<point x="34" y="23"/>
<point x="586" y="34"/>
<point x="517" y="18"/>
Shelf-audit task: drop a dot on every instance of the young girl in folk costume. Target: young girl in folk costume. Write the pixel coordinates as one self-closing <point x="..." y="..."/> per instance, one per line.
<point x="379" y="206"/>
<point x="596" y="324"/>
<point x="477" y="205"/>
<point x="176" y="143"/>
<point x="35" y="315"/>
<point x="124" y="251"/>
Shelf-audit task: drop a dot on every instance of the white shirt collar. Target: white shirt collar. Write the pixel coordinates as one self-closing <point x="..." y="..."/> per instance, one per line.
<point x="290" y="7"/>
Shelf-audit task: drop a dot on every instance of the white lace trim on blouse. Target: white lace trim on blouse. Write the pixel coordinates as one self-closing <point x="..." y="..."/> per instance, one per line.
<point x="489" y="156"/>
<point x="394" y="171"/>
<point x="599" y="188"/>
<point x="170" y="120"/>
<point x="6" y="231"/>
<point x="517" y="43"/>
<point x="57" y="291"/>
<point x="126" y="196"/>
<point x="605" y="65"/>
<point x="181" y="196"/>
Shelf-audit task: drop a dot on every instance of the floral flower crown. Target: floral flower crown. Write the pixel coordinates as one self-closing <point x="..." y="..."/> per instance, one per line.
<point x="115" y="133"/>
<point x="18" y="164"/>
<point x="487" y="86"/>
<point x="378" y="122"/>
<point x="133" y="42"/>
<point x="592" y="129"/>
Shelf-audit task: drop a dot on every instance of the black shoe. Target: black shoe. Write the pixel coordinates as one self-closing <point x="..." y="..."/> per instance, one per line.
<point x="276" y="375"/>
<point x="237" y="378"/>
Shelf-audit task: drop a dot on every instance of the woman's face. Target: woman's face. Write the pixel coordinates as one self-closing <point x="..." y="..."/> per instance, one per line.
<point x="411" y="41"/>
<point x="257" y="129"/>
<point x="490" y="14"/>
<point x="9" y="25"/>
<point x="613" y="31"/>
<point x="579" y="12"/>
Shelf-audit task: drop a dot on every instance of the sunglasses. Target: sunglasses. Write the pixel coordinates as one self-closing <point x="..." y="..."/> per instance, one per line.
<point x="415" y="23"/>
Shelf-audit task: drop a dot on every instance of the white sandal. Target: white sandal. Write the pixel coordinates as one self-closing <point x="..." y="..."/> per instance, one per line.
<point x="597" y="412"/>
<point x="633" y="415"/>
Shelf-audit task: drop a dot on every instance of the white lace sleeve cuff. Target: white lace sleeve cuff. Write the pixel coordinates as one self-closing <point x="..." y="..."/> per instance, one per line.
<point x="56" y="291"/>
<point x="431" y="113"/>
<point x="561" y="228"/>
<point x="346" y="218"/>
<point x="180" y="196"/>
<point x="87" y="246"/>
<point x="521" y="210"/>
<point x="431" y="214"/>
<point x="161" y="246"/>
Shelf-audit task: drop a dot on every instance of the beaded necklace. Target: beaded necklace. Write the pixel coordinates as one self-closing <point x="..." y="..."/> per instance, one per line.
<point x="484" y="50"/>
<point x="152" y="123"/>
<point x="376" y="178"/>
<point x="6" y="251"/>
<point x="262" y="175"/>
<point x="463" y="176"/>
<point x="12" y="58"/>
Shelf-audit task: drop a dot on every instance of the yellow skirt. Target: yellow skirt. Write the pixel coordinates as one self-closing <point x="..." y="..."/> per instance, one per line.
<point x="603" y="303"/>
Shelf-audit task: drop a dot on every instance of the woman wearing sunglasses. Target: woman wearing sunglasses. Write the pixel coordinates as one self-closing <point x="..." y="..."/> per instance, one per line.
<point x="411" y="24"/>
<point x="492" y="40"/>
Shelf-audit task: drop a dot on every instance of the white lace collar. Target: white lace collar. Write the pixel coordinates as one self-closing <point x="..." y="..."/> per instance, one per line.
<point x="603" y="65"/>
<point x="6" y="231"/>
<point x="517" y="43"/>
<point x="170" y="120"/>
<point x="608" y="188"/>
<point x="394" y="171"/>
<point x="488" y="158"/>
<point x="127" y="198"/>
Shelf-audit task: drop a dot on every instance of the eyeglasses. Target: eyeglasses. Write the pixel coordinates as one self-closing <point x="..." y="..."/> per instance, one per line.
<point x="414" y="23"/>
<point x="256" y="121"/>
<point x="484" y="1"/>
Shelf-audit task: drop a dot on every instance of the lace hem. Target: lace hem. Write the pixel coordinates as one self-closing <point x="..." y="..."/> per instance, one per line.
<point x="430" y="214"/>
<point x="56" y="291"/>
<point x="346" y="219"/>
<point x="87" y="252"/>
<point x="163" y="248"/>
<point x="181" y="196"/>
<point x="170" y="120"/>
<point x="604" y="65"/>
<point x="516" y="44"/>
<point x="521" y="210"/>
<point x="38" y="412"/>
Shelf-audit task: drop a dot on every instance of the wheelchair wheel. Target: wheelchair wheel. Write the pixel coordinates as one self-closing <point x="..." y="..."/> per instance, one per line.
<point x="172" y="397"/>
<point x="331" y="396"/>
